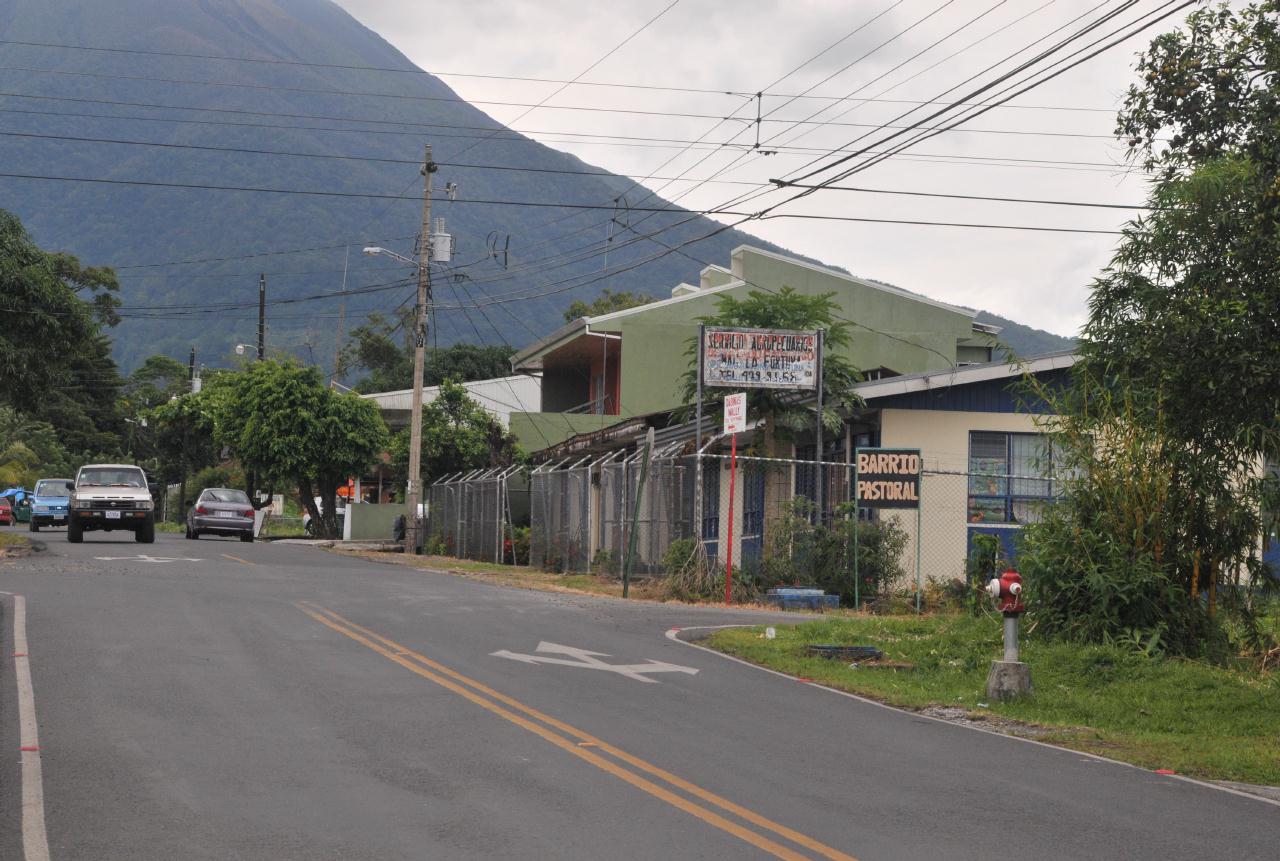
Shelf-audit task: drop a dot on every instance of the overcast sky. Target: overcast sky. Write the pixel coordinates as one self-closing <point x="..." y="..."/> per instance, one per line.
<point x="1037" y="278"/>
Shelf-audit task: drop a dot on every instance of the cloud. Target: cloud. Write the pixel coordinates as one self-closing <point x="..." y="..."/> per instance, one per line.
<point x="1037" y="278"/>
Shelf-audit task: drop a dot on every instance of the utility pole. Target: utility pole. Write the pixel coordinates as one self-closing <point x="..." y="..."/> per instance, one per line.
<point x="342" y="319"/>
<point x="262" y="317"/>
<point x="182" y="451"/>
<point x="413" y="488"/>
<point x="262" y="354"/>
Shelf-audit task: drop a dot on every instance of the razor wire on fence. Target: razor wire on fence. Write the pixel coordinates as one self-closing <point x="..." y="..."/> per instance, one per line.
<point x="762" y="517"/>
<point x="767" y="521"/>
<point x="660" y="512"/>
<point x="469" y="515"/>
<point x="560" y="515"/>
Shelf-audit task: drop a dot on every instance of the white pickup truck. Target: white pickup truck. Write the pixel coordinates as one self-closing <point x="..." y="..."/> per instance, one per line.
<point x="111" y="496"/>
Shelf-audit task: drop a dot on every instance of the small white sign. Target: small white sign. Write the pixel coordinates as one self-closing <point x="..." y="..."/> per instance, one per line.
<point x="735" y="413"/>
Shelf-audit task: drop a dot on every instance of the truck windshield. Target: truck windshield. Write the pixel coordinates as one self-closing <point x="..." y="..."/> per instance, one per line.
<point x="51" y="487"/>
<point x="107" y="477"/>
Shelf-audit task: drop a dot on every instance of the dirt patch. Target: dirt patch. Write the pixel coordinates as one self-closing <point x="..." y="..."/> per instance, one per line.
<point x="993" y="722"/>
<point x="17" y="546"/>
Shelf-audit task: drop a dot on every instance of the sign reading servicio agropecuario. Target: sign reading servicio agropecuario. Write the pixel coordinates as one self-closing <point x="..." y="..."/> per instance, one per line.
<point x="760" y="358"/>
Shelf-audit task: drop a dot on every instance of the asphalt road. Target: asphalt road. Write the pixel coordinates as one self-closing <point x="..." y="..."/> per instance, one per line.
<point x="223" y="700"/>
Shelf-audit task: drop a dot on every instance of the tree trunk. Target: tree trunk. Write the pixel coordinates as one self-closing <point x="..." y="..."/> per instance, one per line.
<point x="309" y="502"/>
<point x="329" y="499"/>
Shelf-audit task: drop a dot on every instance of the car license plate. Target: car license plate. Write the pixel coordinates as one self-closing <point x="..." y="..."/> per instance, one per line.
<point x="113" y="515"/>
<point x="226" y="514"/>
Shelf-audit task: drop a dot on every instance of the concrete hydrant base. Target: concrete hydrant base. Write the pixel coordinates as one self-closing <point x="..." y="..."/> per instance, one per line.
<point x="1008" y="680"/>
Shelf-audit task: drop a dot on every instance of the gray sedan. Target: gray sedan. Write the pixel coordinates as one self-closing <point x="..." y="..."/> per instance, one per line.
<point x="221" y="511"/>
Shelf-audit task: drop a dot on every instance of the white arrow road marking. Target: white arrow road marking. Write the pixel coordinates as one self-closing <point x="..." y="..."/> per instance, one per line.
<point x="142" y="557"/>
<point x="587" y="660"/>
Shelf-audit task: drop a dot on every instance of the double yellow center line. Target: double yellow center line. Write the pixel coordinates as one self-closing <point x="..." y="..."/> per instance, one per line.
<point x="643" y="775"/>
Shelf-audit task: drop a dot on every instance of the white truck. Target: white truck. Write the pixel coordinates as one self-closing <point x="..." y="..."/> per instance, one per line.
<point x="110" y="496"/>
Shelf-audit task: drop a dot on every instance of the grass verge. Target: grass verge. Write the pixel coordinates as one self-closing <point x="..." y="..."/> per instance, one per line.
<point x="517" y="576"/>
<point x="1195" y="719"/>
<point x="9" y="539"/>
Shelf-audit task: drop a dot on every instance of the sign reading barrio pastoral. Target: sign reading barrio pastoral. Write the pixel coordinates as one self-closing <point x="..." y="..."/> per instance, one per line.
<point x="760" y="358"/>
<point x="888" y="477"/>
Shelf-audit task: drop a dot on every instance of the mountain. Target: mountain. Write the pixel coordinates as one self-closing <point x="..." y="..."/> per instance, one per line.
<point x="1023" y="340"/>
<point x="304" y="118"/>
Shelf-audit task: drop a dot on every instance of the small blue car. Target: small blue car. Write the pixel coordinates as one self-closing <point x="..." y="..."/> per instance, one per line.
<point x="52" y="499"/>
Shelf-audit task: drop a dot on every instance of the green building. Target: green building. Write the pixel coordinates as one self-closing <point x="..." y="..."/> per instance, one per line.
<point x="597" y="371"/>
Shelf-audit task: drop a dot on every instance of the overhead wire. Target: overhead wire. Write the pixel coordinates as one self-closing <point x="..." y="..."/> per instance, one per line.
<point x="671" y="210"/>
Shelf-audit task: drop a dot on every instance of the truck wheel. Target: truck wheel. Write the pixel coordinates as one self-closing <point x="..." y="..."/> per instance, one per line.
<point x="146" y="533"/>
<point x="246" y="537"/>
<point x="75" y="534"/>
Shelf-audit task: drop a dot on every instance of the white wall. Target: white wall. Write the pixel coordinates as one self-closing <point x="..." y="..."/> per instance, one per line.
<point x="943" y="439"/>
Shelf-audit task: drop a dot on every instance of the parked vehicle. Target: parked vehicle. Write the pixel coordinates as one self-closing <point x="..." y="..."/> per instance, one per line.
<point x="52" y="503"/>
<point x="340" y="510"/>
<point x="22" y="510"/>
<point x="6" y="512"/>
<point x="221" y="511"/>
<point x="109" y="496"/>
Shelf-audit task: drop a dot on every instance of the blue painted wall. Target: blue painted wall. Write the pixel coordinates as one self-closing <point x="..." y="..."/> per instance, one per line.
<point x="991" y="396"/>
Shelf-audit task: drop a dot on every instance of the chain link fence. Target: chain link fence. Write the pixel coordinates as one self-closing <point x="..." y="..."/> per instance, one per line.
<point x="470" y="515"/>
<point x="560" y="508"/>
<point x="778" y="521"/>
<point x="654" y="503"/>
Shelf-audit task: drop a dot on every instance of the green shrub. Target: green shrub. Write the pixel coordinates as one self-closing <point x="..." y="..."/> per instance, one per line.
<point x="985" y="560"/>
<point x="806" y="555"/>
<point x="688" y="576"/>
<point x="605" y="563"/>
<point x="516" y="548"/>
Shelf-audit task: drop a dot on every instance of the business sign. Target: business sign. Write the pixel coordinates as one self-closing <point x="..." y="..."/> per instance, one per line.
<point x="760" y="358"/>
<point x="735" y="413"/>
<point x="888" y="477"/>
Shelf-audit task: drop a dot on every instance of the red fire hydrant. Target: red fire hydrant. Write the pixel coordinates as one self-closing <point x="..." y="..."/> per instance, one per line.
<point x="1007" y="590"/>
<point x="1010" y="678"/>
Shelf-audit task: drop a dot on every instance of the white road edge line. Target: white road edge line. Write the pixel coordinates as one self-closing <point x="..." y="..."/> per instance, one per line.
<point x="35" y="840"/>
<point x="674" y="634"/>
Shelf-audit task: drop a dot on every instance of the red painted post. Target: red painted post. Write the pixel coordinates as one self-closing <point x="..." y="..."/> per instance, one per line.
<point x="733" y="473"/>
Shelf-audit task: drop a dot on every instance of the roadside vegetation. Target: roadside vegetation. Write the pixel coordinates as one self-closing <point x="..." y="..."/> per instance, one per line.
<point x="1114" y="699"/>
<point x="518" y="576"/>
<point x="1171" y="412"/>
<point x="8" y="539"/>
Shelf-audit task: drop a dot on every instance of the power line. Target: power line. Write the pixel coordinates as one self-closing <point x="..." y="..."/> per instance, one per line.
<point x="1005" y="76"/>
<point x="257" y="254"/>
<point x="530" y="106"/>
<point x="1048" y="76"/>
<point x="785" y="184"/>
<point x="487" y="76"/>
<point x="816" y="217"/>
<point x="855" y="30"/>
<point x="319" y="193"/>
<point x="985" y="87"/>
<point x="621" y="140"/>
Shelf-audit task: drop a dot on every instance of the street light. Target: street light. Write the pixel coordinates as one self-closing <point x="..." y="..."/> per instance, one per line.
<point x="372" y="250"/>
<point x="240" y="348"/>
